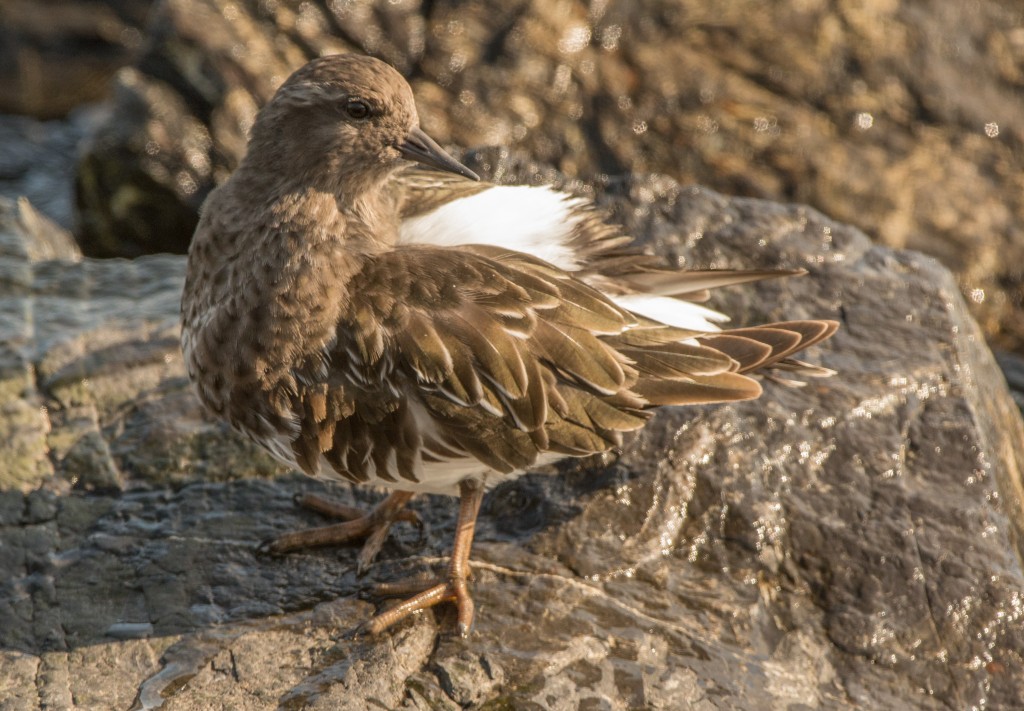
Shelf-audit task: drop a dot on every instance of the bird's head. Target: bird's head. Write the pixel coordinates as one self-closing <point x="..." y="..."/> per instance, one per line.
<point x="348" y="119"/>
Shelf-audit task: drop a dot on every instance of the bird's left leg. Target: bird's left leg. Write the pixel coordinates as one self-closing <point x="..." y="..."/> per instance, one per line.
<point x="453" y="587"/>
<point x="372" y="527"/>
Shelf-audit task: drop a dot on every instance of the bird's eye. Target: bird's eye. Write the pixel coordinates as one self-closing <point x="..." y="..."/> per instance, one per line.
<point x="357" y="109"/>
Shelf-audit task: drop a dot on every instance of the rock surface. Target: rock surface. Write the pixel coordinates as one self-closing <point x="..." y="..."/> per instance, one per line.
<point x="845" y="545"/>
<point x="38" y="159"/>
<point x="898" y="116"/>
<point x="56" y="55"/>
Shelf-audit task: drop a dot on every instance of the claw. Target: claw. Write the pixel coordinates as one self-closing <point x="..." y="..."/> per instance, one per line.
<point x="372" y="526"/>
<point x="427" y="598"/>
<point x="370" y="549"/>
<point x="333" y="509"/>
<point x="454" y="587"/>
<point x="265" y="547"/>
<point x="408" y="586"/>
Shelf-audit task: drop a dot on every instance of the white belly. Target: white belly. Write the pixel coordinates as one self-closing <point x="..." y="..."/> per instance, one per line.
<point x="444" y="477"/>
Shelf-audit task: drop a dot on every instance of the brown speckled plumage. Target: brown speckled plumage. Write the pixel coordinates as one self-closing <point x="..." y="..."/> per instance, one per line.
<point x="314" y="328"/>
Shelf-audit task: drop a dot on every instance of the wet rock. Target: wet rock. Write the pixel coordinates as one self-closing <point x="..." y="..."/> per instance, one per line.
<point x="466" y="678"/>
<point x="896" y="117"/>
<point x="850" y="544"/>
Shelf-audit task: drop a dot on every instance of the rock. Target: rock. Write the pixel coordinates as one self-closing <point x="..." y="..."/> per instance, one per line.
<point x="893" y="116"/>
<point x="850" y="544"/>
<point x="37" y="161"/>
<point x="138" y="171"/>
<point x="90" y="369"/>
<point x="28" y="236"/>
<point x="56" y="55"/>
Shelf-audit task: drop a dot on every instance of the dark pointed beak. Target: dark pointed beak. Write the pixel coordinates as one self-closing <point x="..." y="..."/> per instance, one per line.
<point x="421" y="148"/>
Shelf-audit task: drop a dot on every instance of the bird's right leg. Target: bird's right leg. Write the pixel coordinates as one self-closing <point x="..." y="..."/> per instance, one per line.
<point x="373" y="526"/>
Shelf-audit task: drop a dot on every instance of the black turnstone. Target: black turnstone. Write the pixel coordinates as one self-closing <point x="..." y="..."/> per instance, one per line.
<point x="415" y="329"/>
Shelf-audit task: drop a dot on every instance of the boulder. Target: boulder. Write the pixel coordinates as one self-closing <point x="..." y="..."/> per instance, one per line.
<point x="897" y="117"/>
<point x="56" y="55"/>
<point x="850" y="544"/>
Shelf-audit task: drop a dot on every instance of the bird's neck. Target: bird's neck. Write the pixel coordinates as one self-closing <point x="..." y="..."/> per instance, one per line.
<point x="371" y="221"/>
<point x="325" y="204"/>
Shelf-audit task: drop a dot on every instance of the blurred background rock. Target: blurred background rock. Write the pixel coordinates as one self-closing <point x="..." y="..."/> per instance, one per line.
<point x="899" y="117"/>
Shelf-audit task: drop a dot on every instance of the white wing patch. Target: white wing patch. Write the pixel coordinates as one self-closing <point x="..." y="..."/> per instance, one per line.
<point x="539" y="221"/>
<point x="672" y="312"/>
<point x="535" y="220"/>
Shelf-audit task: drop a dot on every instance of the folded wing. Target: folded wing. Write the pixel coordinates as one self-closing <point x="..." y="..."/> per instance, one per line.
<point x="492" y="354"/>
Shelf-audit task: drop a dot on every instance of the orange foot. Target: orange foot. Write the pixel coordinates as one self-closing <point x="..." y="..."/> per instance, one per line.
<point x="358" y="525"/>
<point x="452" y="588"/>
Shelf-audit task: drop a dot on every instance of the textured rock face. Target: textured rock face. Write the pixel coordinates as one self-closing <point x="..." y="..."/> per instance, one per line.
<point x="37" y="160"/>
<point x="896" y="116"/>
<point x="845" y="545"/>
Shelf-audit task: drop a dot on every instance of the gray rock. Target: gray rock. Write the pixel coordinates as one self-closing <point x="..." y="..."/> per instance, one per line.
<point x="27" y="235"/>
<point x="845" y="545"/>
<point x="37" y="161"/>
<point x="90" y="373"/>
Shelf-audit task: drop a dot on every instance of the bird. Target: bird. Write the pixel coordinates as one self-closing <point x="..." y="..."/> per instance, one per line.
<point x="364" y="307"/>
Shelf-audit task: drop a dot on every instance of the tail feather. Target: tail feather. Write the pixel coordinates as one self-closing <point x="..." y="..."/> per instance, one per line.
<point x="806" y="370"/>
<point x="780" y="340"/>
<point x="749" y="353"/>
<point x="720" y="367"/>
<point x="667" y="363"/>
<point x="698" y="389"/>
<point x="696" y="285"/>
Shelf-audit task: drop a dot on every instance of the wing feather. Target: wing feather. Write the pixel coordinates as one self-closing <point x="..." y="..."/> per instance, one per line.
<point x="481" y="352"/>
